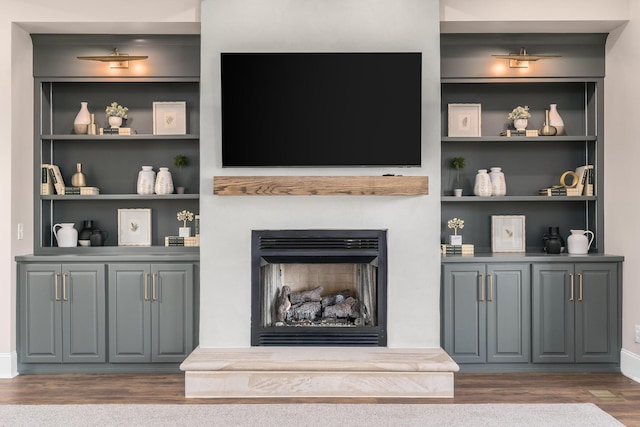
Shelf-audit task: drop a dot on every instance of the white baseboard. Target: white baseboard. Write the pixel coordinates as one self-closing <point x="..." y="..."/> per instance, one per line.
<point x="8" y="365"/>
<point x="630" y="365"/>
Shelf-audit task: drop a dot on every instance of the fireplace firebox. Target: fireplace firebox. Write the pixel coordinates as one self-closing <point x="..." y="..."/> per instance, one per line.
<point x="319" y="288"/>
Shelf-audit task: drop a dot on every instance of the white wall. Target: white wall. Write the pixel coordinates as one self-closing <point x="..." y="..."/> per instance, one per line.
<point x="622" y="150"/>
<point x="17" y="19"/>
<point x="413" y="223"/>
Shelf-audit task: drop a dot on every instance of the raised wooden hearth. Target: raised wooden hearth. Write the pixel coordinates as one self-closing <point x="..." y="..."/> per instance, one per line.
<point x="321" y="185"/>
<point x="348" y="372"/>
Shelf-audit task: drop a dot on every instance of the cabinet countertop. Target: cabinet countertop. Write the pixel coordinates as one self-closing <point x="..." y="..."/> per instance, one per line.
<point x="110" y="258"/>
<point x="530" y="257"/>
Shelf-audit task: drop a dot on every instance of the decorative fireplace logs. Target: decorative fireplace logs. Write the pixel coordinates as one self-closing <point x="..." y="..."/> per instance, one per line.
<point x="310" y="306"/>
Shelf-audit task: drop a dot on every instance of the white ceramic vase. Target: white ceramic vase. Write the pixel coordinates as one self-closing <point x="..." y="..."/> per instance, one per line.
<point x="498" y="183"/>
<point x="482" y="185"/>
<point x="115" y="122"/>
<point x="184" y="231"/>
<point x="82" y="120"/>
<point x="146" y="181"/>
<point x="555" y="120"/>
<point x="164" y="182"/>
<point x="520" y="124"/>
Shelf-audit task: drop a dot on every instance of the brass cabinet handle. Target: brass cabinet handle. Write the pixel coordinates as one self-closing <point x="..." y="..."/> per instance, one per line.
<point x="153" y="287"/>
<point x="490" y="287"/>
<point x="64" y="287"/>
<point x="481" y="287"/>
<point x="572" y="287"/>
<point x="146" y="284"/>
<point x="580" y="279"/>
<point x="55" y="286"/>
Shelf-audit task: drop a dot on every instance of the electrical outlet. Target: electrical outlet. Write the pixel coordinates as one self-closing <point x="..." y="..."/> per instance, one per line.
<point x="20" y="231"/>
<point x="638" y="334"/>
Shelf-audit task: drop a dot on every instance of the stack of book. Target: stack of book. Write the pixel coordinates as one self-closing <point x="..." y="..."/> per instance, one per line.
<point x="182" y="241"/>
<point x="510" y="132"/>
<point x="464" y="249"/>
<point x="81" y="191"/>
<point x="115" y="131"/>
<point x="53" y="183"/>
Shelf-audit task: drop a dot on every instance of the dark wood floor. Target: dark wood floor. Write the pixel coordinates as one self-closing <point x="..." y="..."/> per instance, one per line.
<point x="614" y="393"/>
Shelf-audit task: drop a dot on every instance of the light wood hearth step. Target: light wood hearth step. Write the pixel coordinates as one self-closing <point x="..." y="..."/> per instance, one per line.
<point x="318" y="372"/>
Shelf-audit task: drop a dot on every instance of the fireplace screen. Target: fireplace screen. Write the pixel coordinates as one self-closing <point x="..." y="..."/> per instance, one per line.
<point x="319" y="287"/>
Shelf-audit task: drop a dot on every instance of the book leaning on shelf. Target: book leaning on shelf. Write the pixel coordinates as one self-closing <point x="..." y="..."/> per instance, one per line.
<point x="46" y="182"/>
<point x="56" y="178"/>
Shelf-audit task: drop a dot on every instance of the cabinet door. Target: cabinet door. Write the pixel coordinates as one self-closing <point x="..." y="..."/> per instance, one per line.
<point x="596" y="312"/>
<point x="129" y="313"/>
<point x="172" y="312"/>
<point x="40" y="338"/>
<point x="83" y="313"/>
<point x="553" y="313"/>
<point x="508" y="313"/>
<point x="464" y="311"/>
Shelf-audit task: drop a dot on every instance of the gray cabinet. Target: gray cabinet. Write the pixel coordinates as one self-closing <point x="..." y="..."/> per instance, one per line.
<point x="486" y="315"/>
<point x="575" y="313"/>
<point x="62" y="313"/>
<point x="150" y="312"/>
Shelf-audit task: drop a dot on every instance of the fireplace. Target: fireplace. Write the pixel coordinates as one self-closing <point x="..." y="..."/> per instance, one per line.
<point x="319" y="288"/>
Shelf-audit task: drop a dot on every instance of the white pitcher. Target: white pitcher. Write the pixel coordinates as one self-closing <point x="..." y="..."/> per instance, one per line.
<point x="67" y="235"/>
<point x="578" y="242"/>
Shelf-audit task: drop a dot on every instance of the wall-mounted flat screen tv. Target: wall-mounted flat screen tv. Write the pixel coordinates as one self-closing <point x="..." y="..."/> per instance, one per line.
<point x="321" y="109"/>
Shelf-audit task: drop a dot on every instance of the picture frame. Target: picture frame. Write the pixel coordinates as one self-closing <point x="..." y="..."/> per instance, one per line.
<point x="508" y="233"/>
<point x="170" y="118"/>
<point x="134" y="227"/>
<point x="465" y="120"/>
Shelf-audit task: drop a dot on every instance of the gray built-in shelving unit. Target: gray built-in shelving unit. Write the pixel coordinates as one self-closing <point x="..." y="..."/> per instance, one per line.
<point x="528" y="311"/>
<point x="110" y="308"/>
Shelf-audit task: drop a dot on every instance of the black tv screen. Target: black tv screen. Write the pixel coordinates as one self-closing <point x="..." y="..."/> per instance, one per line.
<point x="321" y="109"/>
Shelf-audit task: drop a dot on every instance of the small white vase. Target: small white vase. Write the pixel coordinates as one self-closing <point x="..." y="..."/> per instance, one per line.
<point x="184" y="231"/>
<point x="520" y="124"/>
<point x="115" y="122"/>
<point x="82" y="120"/>
<point x="498" y="183"/>
<point x="164" y="182"/>
<point x="482" y="185"/>
<point x="146" y="181"/>
<point x="555" y="120"/>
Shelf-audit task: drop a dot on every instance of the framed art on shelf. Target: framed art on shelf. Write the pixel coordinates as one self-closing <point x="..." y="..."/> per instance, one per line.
<point x="170" y="118"/>
<point x="507" y="233"/>
<point x="464" y="120"/>
<point x="134" y="227"/>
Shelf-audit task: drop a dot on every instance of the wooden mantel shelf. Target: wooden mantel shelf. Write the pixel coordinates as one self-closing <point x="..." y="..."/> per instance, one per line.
<point x="320" y="185"/>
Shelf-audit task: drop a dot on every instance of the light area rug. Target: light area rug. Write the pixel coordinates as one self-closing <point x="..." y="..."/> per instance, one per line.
<point x="308" y="415"/>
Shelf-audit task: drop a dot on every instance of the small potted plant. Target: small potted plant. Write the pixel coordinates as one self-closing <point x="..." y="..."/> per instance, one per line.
<point x="180" y="161"/>
<point x="115" y="114"/>
<point x="520" y="117"/>
<point x="184" y="216"/>
<point x="455" y="224"/>
<point x="457" y="163"/>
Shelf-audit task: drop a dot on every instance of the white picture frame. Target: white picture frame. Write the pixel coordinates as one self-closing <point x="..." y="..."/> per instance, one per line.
<point x="170" y="118"/>
<point x="465" y="120"/>
<point x="134" y="227"/>
<point x="508" y="233"/>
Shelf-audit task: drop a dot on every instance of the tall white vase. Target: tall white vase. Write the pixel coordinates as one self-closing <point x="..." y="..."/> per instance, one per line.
<point x="82" y="120"/>
<point x="555" y="120"/>
<point x="146" y="181"/>
<point x="482" y="185"/>
<point x="164" y="182"/>
<point x="498" y="183"/>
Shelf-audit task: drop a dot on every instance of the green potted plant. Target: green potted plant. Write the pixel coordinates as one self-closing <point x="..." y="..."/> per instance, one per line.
<point x="180" y="161"/>
<point x="457" y="163"/>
